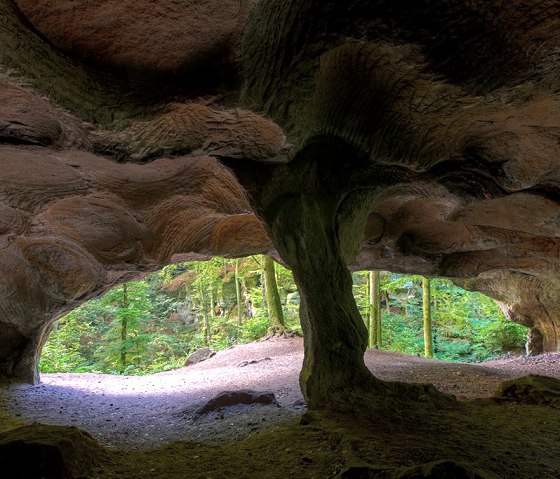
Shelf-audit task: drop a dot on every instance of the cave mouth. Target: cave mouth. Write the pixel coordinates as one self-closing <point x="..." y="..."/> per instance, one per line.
<point x="155" y="324"/>
<point x="176" y="314"/>
<point x="465" y="326"/>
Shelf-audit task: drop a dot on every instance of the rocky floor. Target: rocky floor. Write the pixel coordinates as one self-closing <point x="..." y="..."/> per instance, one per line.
<point x="128" y="414"/>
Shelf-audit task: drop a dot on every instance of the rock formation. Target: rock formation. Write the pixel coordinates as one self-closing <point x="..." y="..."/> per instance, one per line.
<point x="38" y="450"/>
<point x="419" y="137"/>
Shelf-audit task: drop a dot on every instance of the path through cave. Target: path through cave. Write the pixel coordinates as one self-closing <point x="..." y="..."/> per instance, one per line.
<point x="140" y="413"/>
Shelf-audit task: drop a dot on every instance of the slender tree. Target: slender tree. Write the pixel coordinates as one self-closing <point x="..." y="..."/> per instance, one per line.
<point x="124" y="327"/>
<point x="372" y="327"/>
<point x="238" y="293"/>
<point x="205" y="280"/>
<point x="387" y="301"/>
<point x="273" y="302"/>
<point x="203" y="303"/>
<point x="375" y="340"/>
<point x="427" y="310"/>
<point x="212" y="302"/>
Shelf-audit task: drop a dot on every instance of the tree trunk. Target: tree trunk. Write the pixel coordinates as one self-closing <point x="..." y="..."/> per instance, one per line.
<point x="124" y="327"/>
<point x="372" y="326"/>
<point x="273" y="302"/>
<point x="387" y="305"/>
<point x="375" y="310"/>
<point x="427" y="310"/>
<point x="212" y="305"/>
<point x="203" y="305"/>
<point x="238" y="294"/>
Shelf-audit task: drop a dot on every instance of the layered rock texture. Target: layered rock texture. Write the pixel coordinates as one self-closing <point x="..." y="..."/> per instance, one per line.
<point x="419" y="137"/>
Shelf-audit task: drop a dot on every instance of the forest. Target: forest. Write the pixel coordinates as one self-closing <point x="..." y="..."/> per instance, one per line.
<point x="152" y="325"/>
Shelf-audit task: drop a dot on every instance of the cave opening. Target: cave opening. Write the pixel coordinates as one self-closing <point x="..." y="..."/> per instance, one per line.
<point x="157" y="323"/>
<point x="154" y="324"/>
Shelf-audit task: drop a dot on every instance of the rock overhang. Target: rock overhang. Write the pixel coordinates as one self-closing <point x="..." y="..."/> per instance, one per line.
<point x="449" y="168"/>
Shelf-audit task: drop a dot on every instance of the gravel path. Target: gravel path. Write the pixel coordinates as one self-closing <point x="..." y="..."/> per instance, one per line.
<point x="137" y="412"/>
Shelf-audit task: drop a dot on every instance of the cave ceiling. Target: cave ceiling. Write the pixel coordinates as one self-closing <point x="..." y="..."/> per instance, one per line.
<point x="132" y="133"/>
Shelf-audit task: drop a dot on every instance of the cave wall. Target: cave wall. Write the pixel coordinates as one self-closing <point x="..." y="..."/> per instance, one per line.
<point x="83" y="95"/>
<point x="435" y="128"/>
<point x="450" y="114"/>
<point x="74" y="223"/>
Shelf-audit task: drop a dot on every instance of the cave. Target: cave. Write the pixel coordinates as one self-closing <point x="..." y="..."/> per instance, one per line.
<point x="418" y="137"/>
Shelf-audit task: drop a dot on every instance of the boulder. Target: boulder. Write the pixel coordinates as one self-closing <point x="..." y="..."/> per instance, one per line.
<point x="531" y="389"/>
<point x="199" y="355"/>
<point x="39" y="451"/>
<point x="233" y="398"/>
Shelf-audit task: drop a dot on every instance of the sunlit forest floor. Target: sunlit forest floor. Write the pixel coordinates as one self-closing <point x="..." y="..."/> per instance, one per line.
<point x="141" y="418"/>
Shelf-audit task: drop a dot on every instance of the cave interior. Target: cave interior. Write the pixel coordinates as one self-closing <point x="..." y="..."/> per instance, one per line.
<point x="418" y="137"/>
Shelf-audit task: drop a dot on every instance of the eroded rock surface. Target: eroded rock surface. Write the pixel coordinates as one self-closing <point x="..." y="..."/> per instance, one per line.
<point x="447" y="159"/>
<point x="40" y="451"/>
<point x="142" y="37"/>
<point x="235" y="398"/>
<point x="416" y="137"/>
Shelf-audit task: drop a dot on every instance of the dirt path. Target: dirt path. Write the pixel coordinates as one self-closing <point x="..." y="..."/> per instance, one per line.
<point x="138" y="412"/>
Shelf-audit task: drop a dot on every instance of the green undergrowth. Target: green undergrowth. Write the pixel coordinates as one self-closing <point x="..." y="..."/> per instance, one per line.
<point x="467" y="326"/>
<point x="153" y="325"/>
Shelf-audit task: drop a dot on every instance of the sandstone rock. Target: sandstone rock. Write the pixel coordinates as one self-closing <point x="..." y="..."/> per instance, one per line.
<point x="437" y="163"/>
<point x="40" y="451"/>
<point x="72" y="217"/>
<point x="200" y="127"/>
<point x="199" y="355"/>
<point x="534" y="345"/>
<point x="234" y="398"/>
<point x="242" y="364"/>
<point x="26" y="118"/>
<point x="142" y="37"/>
<point x="531" y="389"/>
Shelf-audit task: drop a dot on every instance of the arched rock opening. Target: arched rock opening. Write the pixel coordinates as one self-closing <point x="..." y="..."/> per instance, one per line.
<point x="447" y="161"/>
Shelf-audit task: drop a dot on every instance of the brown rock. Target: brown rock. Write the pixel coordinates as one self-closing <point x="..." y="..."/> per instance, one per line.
<point x="199" y="355"/>
<point x="234" y="398"/>
<point x="142" y="37"/>
<point x="71" y="216"/>
<point x="40" y="451"/>
<point x="531" y="389"/>
<point x="435" y="163"/>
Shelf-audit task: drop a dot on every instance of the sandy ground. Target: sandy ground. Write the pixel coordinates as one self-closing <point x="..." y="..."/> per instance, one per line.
<point x="140" y="412"/>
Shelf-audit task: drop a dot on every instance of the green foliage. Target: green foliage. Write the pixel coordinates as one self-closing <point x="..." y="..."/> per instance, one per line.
<point x="70" y="341"/>
<point x="89" y="338"/>
<point x="165" y="317"/>
<point x="402" y="335"/>
<point x="466" y="326"/>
